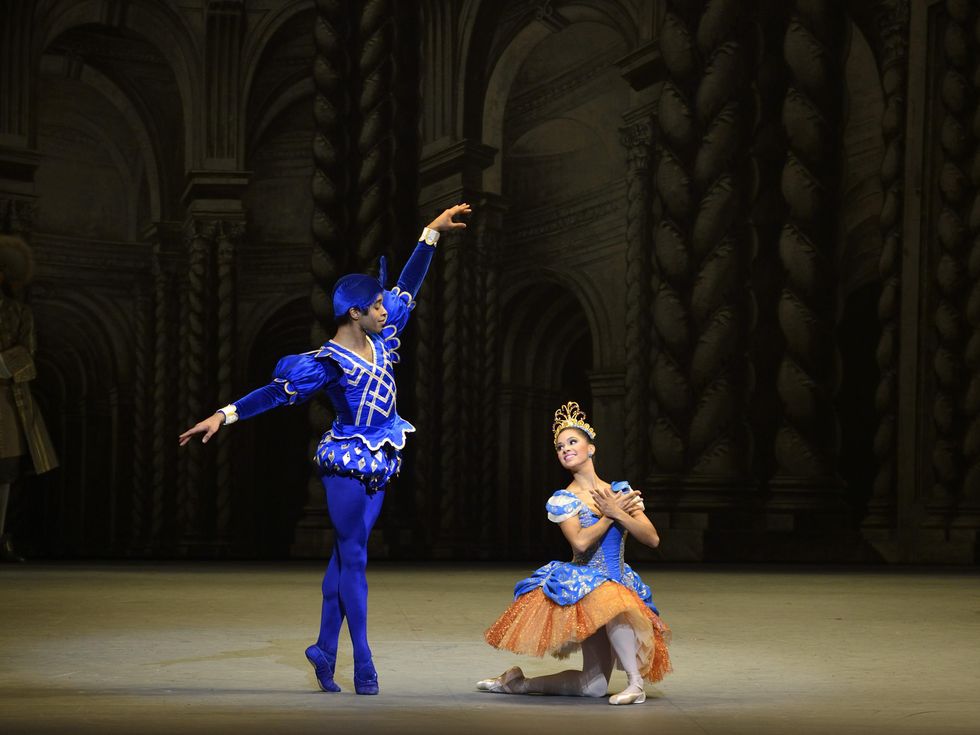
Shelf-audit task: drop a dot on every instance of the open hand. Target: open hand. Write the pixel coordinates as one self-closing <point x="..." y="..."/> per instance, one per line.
<point x="209" y="427"/>
<point x="444" y="222"/>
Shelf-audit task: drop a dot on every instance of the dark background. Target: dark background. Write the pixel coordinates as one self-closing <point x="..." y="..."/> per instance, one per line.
<point x="745" y="236"/>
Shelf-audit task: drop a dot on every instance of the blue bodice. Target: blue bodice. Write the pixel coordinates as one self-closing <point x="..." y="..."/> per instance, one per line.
<point x="565" y="583"/>
<point x="367" y="434"/>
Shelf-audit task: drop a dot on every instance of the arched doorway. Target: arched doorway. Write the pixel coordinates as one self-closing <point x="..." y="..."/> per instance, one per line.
<point x="273" y="477"/>
<point x="546" y="359"/>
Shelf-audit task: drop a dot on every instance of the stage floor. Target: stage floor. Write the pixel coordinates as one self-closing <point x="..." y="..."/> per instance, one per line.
<point x="201" y="648"/>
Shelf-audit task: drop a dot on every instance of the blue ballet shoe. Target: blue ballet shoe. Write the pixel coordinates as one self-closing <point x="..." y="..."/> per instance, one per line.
<point x="366" y="679"/>
<point x="323" y="665"/>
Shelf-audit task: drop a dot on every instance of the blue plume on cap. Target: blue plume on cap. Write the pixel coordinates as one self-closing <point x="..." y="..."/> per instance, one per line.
<point x="383" y="272"/>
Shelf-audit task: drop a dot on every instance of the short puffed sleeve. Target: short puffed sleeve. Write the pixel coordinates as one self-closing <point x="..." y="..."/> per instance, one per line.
<point x="562" y="505"/>
<point x="300" y="377"/>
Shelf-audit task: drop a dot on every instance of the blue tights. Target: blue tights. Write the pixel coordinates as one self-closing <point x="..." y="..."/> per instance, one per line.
<point x="353" y="512"/>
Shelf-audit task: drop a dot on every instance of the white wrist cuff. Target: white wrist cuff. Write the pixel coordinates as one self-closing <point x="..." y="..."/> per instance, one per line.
<point x="230" y="413"/>
<point x="429" y="237"/>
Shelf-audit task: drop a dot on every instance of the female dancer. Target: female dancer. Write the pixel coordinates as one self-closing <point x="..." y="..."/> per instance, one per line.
<point x="594" y="602"/>
<point x="361" y="450"/>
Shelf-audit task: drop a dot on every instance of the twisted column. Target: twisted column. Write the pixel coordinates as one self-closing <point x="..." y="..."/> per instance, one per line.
<point x="162" y="397"/>
<point x="228" y="235"/>
<point x="670" y="383"/>
<point x="426" y="367"/>
<point x="970" y="496"/>
<point x="768" y="151"/>
<point x="723" y="246"/>
<point x="452" y="391"/>
<point x="487" y="406"/>
<point x="199" y="235"/>
<point x="806" y="443"/>
<point x="183" y="409"/>
<point x="637" y="140"/>
<point x="375" y="141"/>
<point x="331" y="212"/>
<point x="703" y="245"/>
<point x="331" y="176"/>
<point x="140" y="415"/>
<point x="955" y="194"/>
<point x="881" y="506"/>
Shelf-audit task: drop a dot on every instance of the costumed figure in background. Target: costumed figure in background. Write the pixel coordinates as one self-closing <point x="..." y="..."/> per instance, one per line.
<point x="24" y="442"/>
<point x="594" y="602"/>
<point x="361" y="451"/>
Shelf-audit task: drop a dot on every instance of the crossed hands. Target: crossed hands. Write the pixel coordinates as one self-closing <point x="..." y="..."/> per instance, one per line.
<point x="618" y="506"/>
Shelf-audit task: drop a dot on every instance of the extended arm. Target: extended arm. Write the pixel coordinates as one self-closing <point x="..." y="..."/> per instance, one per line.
<point x="295" y="379"/>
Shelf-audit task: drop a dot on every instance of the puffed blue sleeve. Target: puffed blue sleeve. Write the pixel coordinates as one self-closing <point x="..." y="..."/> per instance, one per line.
<point x="400" y="300"/>
<point x="562" y="505"/>
<point x="295" y="379"/>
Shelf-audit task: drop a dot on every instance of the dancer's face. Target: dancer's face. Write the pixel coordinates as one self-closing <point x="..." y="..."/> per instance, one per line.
<point x="573" y="449"/>
<point x="373" y="320"/>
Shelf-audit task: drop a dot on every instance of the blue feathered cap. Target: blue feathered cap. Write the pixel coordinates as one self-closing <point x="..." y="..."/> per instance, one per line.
<point x="357" y="290"/>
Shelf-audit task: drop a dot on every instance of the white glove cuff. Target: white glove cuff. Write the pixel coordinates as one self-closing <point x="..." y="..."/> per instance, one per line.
<point x="230" y="413"/>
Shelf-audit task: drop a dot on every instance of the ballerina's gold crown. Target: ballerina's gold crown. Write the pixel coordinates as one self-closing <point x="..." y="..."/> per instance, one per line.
<point x="570" y="416"/>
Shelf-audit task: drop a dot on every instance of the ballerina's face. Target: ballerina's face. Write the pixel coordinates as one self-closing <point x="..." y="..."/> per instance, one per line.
<point x="573" y="448"/>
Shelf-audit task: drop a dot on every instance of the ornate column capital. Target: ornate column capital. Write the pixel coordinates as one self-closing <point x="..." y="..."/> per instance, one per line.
<point x="637" y="138"/>
<point x="17" y="216"/>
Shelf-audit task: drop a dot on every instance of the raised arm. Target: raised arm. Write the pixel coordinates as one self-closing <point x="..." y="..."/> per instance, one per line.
<point x="400" y="300"/>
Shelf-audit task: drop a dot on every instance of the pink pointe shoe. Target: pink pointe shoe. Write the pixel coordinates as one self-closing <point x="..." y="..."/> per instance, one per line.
<point x="500" y="684"/>
<point x="633" y="694"/>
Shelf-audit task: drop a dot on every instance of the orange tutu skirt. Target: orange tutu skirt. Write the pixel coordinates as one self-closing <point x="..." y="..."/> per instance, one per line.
<point x="534" y="625"/>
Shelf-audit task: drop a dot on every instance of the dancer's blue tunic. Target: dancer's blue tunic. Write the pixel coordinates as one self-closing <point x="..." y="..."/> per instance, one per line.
<point x="365" y="439"/>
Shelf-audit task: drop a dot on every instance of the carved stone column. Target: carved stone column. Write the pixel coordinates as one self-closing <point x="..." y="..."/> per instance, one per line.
<point x="214" y="226"/>
<point x="448" y="348"/>
<point x="637" y="138"/>
<point x="806" y="443"/>
<point x="165" y="239"/>
<point x="228" y="240"/>
<point x="486" y="354"/>
<point x="141" y="418"/>
<point x="894" y="78"/>
<point x="703" y="309"/>
<point x="197" y="394"/>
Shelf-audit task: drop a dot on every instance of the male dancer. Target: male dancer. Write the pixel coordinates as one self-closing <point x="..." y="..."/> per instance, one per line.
<point x="361" y="450"/>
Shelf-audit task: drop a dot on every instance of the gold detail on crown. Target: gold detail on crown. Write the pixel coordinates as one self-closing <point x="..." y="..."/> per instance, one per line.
<point x="570" y="416"/>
